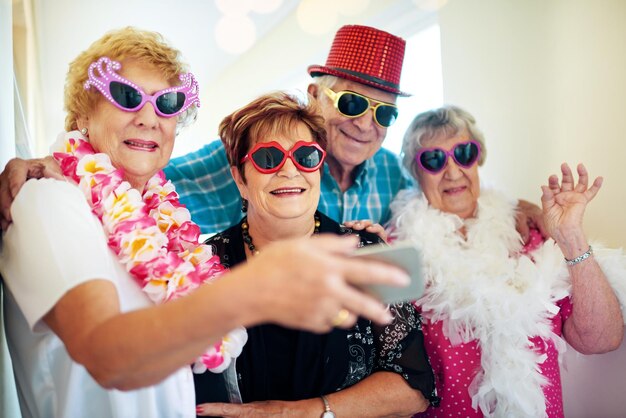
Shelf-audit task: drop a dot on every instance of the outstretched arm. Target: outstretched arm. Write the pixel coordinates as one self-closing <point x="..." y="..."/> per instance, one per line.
<point x="139" y="348"/>
<point x="596" y="323"/>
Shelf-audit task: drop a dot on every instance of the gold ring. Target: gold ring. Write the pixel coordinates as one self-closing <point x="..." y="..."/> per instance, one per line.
<point x="341" y="317"/>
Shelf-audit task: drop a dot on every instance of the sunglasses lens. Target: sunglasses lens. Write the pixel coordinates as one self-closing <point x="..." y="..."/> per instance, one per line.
<point x="268" y="158"/>
<point x="466" y="154"/>
<point x="386" y="115"/>
<point x="433" y="160"/>
<point x="172" y="102"/>
<point x="124" y="95"/>
<point x="308" y="157"/>
<point x="352" y="105"/>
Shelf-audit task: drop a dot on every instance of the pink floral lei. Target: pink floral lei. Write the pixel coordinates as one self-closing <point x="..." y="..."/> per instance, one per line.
<point x="152" y="235"/>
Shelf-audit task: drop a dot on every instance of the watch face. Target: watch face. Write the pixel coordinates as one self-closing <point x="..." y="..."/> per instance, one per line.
<point x="328" y="414"/>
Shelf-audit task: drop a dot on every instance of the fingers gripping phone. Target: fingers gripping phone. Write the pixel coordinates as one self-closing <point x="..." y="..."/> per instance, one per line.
<point x="404" y="255"/>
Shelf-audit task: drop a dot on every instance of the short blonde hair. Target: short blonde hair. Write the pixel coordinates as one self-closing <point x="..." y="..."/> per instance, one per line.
<point x="123" y="44"/>
<point x="277" y="112"/>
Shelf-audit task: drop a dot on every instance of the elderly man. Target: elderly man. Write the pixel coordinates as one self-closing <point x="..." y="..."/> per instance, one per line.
<point x="357" y="91"/>
<point x="360" y="178"/>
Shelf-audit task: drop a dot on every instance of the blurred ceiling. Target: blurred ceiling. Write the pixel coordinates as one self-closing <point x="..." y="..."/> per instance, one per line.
<point x="190" y="25"/>
<point x="288" y="35"/>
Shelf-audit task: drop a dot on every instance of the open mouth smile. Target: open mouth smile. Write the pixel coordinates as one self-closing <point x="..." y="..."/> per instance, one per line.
<point x="455" y="190"/>
<point x="288" y="191"/>
<point x="141" y="145"/>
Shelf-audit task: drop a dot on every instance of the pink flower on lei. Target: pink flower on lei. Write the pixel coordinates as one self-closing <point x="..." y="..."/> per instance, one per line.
<point x="151" y="234"/>
<point x="67" y="150"/>
<point x="138" y="242"/>
<point x="220" y="356"/>
<point x="167" y="277"/>
<point x="158" y="189"/>
<point x="123" y="203"/>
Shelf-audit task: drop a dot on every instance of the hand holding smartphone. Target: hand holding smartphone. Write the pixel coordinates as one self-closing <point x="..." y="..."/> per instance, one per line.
<point x="404" y="255"/>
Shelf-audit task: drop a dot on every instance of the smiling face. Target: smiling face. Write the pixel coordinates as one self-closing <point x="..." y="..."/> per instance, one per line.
<point x="288" y="194"/>
<point x="455" y="189"/>
<point x="139" y="142"/>
<point x="351" y="141"/>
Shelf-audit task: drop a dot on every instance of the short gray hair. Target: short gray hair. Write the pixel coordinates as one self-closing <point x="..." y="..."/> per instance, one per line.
<point x="326" y="81"/>
<point x="448" y="120"/>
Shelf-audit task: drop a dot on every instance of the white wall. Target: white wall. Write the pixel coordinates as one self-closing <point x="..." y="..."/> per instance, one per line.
<point x="7" y="116"/>
<point x="8" y="395"/>
<point x="277" y="61"/>
<point x="280" y="60"/>
<point x="546" y="80"/>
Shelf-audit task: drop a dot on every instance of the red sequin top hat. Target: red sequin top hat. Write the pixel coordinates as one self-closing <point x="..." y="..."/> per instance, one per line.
<point x="366" y="55"/>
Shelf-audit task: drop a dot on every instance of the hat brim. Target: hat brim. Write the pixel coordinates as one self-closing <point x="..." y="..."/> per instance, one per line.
<point x="319" y="70"/>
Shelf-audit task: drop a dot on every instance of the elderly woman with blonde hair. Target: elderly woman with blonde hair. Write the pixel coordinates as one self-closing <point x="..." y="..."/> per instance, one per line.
<point x="496" y="313"/>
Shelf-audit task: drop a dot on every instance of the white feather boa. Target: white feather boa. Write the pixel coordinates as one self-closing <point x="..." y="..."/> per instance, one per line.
<point x="482" y="289"/>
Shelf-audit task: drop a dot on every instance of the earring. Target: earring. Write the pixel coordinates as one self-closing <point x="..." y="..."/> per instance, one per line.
<point x="84" y="131"/>
<point x="244" y="205"/>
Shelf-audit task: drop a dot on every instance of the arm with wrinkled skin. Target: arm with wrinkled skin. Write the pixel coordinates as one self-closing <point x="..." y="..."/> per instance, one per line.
<point x="139" y="348"/>
<point x="596" y="322"/>
<point x="382" y="394"/>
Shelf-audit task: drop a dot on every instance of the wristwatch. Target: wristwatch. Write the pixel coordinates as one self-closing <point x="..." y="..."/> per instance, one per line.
<point x="327" y="412"/>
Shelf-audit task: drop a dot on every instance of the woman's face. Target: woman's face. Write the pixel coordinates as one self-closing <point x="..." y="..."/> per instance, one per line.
<point x="139" y="142"/>
<point x="286" y="194"/>
<point x="455" y="189"/>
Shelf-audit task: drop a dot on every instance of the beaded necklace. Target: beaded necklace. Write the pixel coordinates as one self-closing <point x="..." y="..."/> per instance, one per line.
<point x="248" y="239"/>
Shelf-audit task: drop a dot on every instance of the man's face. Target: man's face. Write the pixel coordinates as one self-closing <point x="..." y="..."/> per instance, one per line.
<point x="351" y="141"/>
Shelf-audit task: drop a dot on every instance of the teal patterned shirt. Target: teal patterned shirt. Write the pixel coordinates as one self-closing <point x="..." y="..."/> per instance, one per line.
<point x="205" y="185"/>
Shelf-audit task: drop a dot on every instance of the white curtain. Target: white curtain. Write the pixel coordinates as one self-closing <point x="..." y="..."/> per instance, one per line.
<point x="8" y="397"/>
<point x="7" y="118"/>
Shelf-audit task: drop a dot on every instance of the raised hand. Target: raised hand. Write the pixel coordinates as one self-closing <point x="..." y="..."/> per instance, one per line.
<point x="564" y="203"/>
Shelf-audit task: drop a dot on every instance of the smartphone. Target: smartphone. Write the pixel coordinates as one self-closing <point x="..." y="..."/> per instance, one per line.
<point x="403" y="254"/>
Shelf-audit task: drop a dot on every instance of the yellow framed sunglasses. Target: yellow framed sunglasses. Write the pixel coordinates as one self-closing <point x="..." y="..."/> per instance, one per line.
<point x="353" y="105"/>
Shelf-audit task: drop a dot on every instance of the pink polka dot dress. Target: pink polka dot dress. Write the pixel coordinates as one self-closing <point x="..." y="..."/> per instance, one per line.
<point x="456" y="366"/>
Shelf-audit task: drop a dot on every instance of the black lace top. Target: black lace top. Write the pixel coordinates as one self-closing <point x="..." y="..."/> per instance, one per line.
<point x="284" y="364"/>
